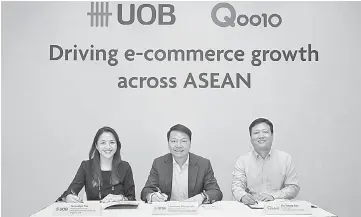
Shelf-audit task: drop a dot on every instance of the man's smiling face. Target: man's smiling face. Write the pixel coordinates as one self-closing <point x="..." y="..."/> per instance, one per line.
<point x="261" y="137"/>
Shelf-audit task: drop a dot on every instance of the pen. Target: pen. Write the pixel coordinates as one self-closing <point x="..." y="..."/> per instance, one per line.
<point x="73" y="193"/>
<point x="71" y="190"/>
<point x="249" y="192"/>
<point x="164" y="195"/>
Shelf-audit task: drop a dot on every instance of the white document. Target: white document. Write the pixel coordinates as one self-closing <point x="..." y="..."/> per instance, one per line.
<point x="258" y="205"/>
<point x="175" y="208"/>
<point x="76" y="209"/>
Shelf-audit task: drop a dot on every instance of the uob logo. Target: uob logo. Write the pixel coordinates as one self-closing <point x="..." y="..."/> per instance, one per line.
<point x="61" y="209"/>
<point x="164" y="11"/>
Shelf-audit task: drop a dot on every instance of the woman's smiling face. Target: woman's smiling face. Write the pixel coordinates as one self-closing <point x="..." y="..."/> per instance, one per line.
<point x="106" y="145"/>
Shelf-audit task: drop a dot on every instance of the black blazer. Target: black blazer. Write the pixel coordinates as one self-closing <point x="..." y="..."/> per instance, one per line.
<point x="200" y="177"/>
<point x="84" y="177"/>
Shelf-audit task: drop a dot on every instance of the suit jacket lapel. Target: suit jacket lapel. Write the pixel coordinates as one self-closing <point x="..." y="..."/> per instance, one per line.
<point x="192" y="174"/>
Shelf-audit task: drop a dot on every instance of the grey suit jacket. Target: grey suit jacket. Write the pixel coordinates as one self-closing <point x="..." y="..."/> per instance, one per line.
<point x="200" y="177"/>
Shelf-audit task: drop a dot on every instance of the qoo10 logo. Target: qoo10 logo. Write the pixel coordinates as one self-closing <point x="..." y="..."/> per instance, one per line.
<point x="265" y="20"/>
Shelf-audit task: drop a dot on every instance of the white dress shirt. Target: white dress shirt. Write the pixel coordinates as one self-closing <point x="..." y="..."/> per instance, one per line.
<point x="274" y="175"/>
<point x="180" y="181"/>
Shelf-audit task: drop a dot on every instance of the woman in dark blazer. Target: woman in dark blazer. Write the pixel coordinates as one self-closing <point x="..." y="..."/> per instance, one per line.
<point x="105" y="176"/>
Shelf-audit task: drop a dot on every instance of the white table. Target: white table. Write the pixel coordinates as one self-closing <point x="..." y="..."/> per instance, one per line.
<point x="218" y="209"/>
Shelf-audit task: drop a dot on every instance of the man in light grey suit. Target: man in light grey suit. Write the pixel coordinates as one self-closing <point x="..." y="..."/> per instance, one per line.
<point x="180" y="175"/>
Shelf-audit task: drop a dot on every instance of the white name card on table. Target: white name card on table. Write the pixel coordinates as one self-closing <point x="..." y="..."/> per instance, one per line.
<point x="77" y="209"/>
<point x="288" y="208"/>
<point x="175" y="208"/>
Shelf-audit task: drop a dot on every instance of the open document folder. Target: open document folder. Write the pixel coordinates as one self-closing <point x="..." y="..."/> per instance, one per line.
<point x="258" y="205"/>
<point x="120" y="205"/>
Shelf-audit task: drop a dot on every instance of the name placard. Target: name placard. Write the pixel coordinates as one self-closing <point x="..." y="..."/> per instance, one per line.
<point x="175" y="208"/>
<point x="77" y="209"/>
<point x="288" y="208"/>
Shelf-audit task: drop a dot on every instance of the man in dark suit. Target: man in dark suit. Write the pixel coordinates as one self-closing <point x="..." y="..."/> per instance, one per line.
<point x="180" y="175"/>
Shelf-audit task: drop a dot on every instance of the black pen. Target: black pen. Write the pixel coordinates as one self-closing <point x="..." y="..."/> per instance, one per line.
<point x="73" y="193"/>
<point x="164" y="195"/>
<point x="249" y="192"/>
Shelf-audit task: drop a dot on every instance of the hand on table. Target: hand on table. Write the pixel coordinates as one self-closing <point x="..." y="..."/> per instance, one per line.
<point x="248" y="199"/>
<point x="113" y="198"/>
<point x="71" y="198"/>
<point x="197" y="198"/>
<point x="264" y="197"/>
<point x="157" y="197"/>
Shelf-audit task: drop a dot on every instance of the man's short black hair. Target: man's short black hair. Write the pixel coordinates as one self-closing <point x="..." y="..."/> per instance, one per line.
<point x="258" y="121"/>
<point x="181" y="128"/>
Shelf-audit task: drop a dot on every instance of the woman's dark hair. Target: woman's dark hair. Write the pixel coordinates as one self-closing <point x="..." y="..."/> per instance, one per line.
<point x="94" y="154"/>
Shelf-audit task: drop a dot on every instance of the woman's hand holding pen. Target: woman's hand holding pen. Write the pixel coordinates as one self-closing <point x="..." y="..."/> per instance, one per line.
<point x="73" y="198"/>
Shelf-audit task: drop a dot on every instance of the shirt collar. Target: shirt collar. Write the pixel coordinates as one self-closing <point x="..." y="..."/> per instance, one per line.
<point x="256" y="155"/>
<point x="185" y="164"/>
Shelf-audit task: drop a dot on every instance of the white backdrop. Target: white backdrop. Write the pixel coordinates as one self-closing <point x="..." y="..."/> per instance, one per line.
<point x="51" y="110"/>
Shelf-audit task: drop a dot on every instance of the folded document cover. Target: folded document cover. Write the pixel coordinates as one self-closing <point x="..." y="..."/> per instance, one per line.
<point x="120" y="205"/>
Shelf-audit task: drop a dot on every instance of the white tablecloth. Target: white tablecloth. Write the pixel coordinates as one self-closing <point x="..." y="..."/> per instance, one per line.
<point x="218" y="209"/>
